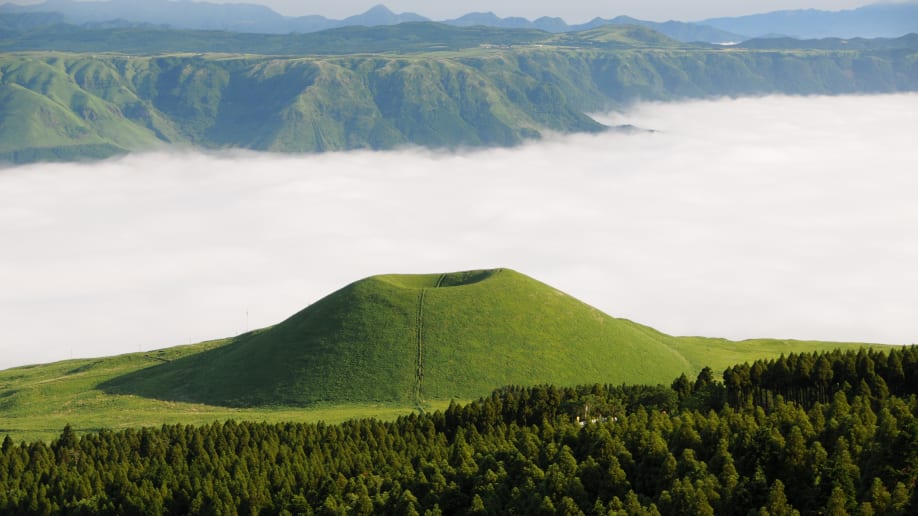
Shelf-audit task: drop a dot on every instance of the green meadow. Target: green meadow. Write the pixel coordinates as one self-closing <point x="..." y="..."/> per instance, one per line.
<point x="381" y="347"/>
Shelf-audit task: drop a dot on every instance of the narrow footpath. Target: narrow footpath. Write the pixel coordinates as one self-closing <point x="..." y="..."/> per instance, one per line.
<point x="420" y="361"/>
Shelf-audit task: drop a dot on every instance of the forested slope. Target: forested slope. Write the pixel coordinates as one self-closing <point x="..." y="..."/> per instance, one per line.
<point x="700" y="447"/>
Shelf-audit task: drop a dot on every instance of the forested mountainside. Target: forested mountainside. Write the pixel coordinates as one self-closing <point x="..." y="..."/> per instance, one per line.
<point x="830" y="433"/>
<point x="451" y="89"/>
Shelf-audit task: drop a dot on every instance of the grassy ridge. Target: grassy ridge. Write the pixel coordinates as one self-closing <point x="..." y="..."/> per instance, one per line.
<point x="64" y="105"/>
<point x="289" y="105"/>
<point x="404" y="38"/>
<point x="357" y="353"/>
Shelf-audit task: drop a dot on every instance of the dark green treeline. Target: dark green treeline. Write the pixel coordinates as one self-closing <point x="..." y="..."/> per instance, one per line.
<point x="833" y="433"/>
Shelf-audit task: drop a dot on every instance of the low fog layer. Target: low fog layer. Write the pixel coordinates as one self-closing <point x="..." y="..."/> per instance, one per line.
<point x="775" y="217"/>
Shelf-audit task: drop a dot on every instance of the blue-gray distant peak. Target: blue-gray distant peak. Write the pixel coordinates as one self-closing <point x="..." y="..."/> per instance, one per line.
<point x="879" y="20"/>
<point x="872" y="21"/>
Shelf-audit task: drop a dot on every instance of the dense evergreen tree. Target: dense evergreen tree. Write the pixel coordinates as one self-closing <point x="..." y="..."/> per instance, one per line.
<point x="832" y="433"/>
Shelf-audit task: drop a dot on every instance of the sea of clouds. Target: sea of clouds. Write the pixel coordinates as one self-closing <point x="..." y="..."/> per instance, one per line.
<point x="769" y="217"/>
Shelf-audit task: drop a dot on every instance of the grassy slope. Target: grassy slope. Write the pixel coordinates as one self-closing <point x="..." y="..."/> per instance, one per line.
<point x="722" y="353"/>
<point x="61" y="105"/>
<point x="36" y="401"/>
<point x="541" y="335"/>
<point x="71" y="108"/>
<point x="360" y="344"/>
<point x="354" y="345"/>
<point x="280" y="104"/>
<point x="362" y="362"/>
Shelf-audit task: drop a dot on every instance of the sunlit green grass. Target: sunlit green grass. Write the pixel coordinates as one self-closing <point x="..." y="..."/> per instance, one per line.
<point x="718" y="354"/>
<point x="36" y="402"/>
<point x="479" y="331"/>
<point x="370" y="341"/>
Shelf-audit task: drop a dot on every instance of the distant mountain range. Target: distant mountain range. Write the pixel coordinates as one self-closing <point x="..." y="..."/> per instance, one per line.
<point x="680" y="31"/>
<point x="880" y="20"/>
<point x="872" y="21"/>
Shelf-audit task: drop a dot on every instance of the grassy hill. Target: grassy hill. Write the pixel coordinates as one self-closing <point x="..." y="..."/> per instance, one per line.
<point x="381" y="87"/>
<point x="405" y="339"/>
<point x="36" y="402"/>
<point x="379" y="347"/>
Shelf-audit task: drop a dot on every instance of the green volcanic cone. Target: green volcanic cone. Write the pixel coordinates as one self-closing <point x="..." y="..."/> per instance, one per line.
<point x="413" y="338"/>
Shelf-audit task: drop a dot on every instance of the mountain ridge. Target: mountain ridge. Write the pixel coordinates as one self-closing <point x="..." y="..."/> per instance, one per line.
<point x="255" y="18"/>
<point x="877" y="20"/>
<point x="385" y="87"/>
<point x="871" y="21"/>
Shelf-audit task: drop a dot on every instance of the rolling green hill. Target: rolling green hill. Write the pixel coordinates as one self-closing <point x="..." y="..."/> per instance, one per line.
<point x="380" y="346"/>
<point x="404" y="339"/>
<point x="382" y="87"/>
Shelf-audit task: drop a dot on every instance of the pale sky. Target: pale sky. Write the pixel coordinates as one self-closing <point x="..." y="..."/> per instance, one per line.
<point x="573" y="11"/>
<point x="774" y="217"/>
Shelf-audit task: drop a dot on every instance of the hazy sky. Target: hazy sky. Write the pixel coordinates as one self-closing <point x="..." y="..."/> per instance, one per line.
<point x="570" y="10"/>
<point x="781" y="217"/>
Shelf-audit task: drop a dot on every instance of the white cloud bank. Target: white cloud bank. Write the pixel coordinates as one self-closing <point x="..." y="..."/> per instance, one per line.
<point x="774" y="217"/>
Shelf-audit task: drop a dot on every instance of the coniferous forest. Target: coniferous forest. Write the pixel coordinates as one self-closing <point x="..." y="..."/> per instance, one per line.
<point x="820" y="433"/>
